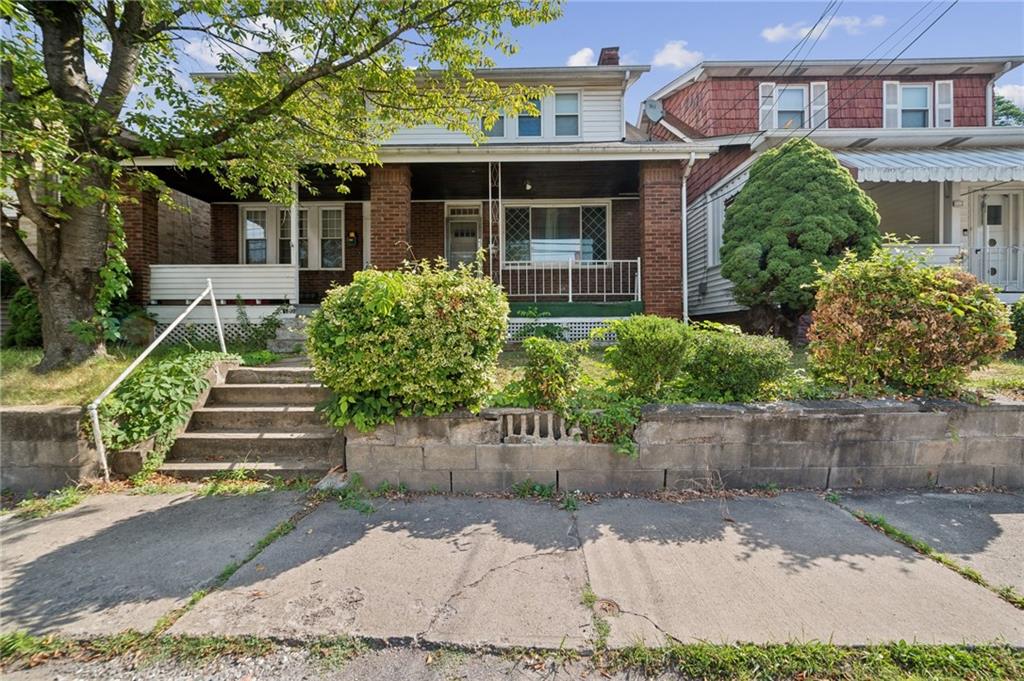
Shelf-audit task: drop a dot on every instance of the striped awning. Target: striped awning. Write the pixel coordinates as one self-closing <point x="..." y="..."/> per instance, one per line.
<point x="993" y="164"/>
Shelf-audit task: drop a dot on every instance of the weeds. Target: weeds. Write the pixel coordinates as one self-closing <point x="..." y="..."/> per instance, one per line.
<point x="528" y="489"/>
<point x="57" y="500"/>
<point x="333" y="652"/>
<point x="570" y="502"/>
<point x="589" y="598"/>
<point x="879" y="523"/>
<point x="833" y="497"/>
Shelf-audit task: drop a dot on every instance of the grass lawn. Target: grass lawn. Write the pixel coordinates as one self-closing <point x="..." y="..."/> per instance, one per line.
<point x="19" y="385"/>
<point x="1005" y="377"/>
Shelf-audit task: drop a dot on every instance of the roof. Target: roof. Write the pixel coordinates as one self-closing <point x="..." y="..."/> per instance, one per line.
<point x="995" y="164"/>
<point x="933" y="66"/>
<point x="547" y="75"/>
<point x="575" y="151"/>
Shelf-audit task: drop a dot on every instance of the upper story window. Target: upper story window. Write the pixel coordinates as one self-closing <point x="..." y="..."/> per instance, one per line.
<point x="567" y="114"/>
<point x="496" y="130"/>
<point x="530" y="126"/>
<point x="917" y="104"/>
<point x="793" y="106"/>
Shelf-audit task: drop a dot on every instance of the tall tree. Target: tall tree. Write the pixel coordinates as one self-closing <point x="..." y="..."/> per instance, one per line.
<point x="1008" y="113"/>
<point x="90" y="85"/>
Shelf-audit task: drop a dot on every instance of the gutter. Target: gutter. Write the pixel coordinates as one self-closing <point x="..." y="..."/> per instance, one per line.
<point x="685" y="234"/>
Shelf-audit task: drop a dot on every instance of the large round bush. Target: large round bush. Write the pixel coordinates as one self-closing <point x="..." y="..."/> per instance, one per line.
<point x="649" y="353"/>
<point x="891" y="322"/>
<point x="729" y="366"/>
<point x="420" y="341"/>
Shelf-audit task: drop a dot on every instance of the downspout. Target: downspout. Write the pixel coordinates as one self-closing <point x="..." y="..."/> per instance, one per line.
<point x="293" y="228"/>
<point x="685" y="233"/>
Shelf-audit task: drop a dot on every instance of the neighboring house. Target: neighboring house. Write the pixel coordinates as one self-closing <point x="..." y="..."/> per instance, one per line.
<point x="574" y="205"/>
<point x="918" y="137"/>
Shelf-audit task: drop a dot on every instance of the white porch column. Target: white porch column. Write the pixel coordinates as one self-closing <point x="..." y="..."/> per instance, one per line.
<point x="293" y="217"/>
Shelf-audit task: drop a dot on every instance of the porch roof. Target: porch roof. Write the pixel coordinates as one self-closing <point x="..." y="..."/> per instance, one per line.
<point x="995" y="164"/>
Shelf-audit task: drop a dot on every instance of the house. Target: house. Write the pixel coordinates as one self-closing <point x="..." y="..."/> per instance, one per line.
<point x="576" y="212"/>
<point x="917" y="135"/>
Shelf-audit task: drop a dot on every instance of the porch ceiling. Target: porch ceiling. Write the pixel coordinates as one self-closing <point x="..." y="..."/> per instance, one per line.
<point x="558" y="180"/>
<point x="997" y="164"/>
<point x="201" y="185"/>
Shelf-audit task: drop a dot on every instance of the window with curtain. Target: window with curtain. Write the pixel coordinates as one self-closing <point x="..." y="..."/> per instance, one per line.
<point x="332" y="238"/>
<point x="255" y="230"/>
<point x="284" y="248"/>
<point x="792" y="107"/>
<point x="556" y="233"/>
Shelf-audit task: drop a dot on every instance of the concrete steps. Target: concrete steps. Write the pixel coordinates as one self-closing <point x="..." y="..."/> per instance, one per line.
<point x="261" y="419"/>
<point x="290" y="337"/>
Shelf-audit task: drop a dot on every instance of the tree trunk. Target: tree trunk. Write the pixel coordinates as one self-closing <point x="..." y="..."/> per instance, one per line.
<point x="63" y="302"/>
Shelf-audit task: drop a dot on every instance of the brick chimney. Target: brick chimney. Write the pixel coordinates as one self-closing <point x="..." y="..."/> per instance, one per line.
<point x="609" y="56"/>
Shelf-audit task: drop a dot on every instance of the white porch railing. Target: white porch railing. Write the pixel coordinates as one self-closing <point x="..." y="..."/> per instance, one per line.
<point x="938" y="254"/>
<point x="270" y="283"/>
<point x="93" y="407"/>
<point x="1001" y="266"/>
<point x="592" y="280"/>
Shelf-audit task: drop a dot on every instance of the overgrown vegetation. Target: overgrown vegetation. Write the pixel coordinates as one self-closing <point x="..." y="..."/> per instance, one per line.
<point x="649" y="353"/>
<point x="1017" y="324"/>
<point x="57" y="500"/>
<point x="552" y="373"/>
<point x="820" y="661"/>
<point x="423" y="340"/>
<point x="892" y="323"/>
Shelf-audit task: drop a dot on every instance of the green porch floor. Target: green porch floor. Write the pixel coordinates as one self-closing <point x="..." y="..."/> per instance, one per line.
<point x="580" y="309"/>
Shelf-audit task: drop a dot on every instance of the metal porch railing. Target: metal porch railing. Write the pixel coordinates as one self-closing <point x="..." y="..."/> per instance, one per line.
<point x="586" y="280"/>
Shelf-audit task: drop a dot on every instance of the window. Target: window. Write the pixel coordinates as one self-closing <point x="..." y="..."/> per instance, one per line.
<point x="496" y="130"/>
<point x="255" y="227"/>
<point x="529" y="126"/>
<point x="332" y="238"/>
<point x="284" y="248"/>
<point x="915" y="106"/>
<point x="567" y="114"/>
<point x="792" y="107"/>
<point x="716" y="219"/>
<point x="556" y="233"/>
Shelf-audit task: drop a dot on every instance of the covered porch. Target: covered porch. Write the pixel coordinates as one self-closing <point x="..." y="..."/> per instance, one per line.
<point x="962" y="207"/>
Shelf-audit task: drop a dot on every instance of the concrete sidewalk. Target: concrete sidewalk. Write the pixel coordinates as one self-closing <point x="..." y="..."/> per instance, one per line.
<point x="494" y="572"/>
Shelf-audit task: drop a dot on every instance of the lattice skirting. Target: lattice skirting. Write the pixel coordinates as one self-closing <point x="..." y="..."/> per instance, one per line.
<point x="201" y="332"/>
<point x="576" y="328"/>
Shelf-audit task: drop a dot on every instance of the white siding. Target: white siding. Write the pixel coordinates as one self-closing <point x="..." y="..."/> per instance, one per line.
<point x="602" y="118"/>
<point x="717" y="297"/>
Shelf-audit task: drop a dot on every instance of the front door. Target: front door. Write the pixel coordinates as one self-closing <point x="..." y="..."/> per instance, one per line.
<point x="463" y="234"/>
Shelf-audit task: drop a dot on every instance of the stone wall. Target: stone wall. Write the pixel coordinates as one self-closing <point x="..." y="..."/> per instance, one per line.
<point x="42" y="449"/>
<point x="834" y="444"/>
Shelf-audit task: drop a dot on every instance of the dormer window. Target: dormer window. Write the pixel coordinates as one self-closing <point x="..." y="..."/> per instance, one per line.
<point x="790" y="107"/>
<point x="529" y="126"/>
<point x="917" y="105"/>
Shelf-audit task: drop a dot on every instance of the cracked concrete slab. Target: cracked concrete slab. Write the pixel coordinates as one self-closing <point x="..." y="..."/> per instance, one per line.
<point x="984" y="531"/>
<point x="775" y="570"/>
<point x="440" y="569"/>
<point x="118" y="562"/>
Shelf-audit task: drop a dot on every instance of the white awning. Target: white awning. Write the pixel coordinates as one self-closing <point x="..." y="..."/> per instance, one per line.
<point x="992" y="164"/>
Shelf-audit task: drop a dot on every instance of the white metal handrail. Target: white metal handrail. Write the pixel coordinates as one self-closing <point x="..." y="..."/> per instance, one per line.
<point x="93" y="407"/>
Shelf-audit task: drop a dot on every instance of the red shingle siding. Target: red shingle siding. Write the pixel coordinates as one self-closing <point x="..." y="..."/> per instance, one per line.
<point x="141" y="231"/>
<point x="224" y="233"/>
<point x="707" y="173"/>
<point x="390" y="215"/>
<point x="727" y="106"/>
<point x="427" y="230"/>
<point x="660" y="244"/>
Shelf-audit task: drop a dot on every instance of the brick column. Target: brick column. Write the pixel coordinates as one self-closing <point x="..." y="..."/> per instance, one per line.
<point x="390" y="215"/>
<point x="224" y="233"/>
<point x="660" y="238"/>
<point x="141" y="231"/>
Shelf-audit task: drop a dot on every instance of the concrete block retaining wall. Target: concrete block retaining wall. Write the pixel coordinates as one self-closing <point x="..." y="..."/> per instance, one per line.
<point x="42" y="448"/>
<point x="834" y="444"/>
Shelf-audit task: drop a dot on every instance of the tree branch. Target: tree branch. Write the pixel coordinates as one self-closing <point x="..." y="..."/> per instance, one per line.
<point x="15" y="250"/>
<point x="62" y="27"/>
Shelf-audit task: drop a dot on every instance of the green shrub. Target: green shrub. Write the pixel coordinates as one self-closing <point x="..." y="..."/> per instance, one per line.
<point x="1017" y="324"/>
<point x="649" y="353"/>
<point x="891" y="322"/>
<point x="418" y="341"/>
<point x="9" y="279"/>
<point x="26" y="330"/>
<point x="552" y="374"/>
<point x="728" y="366"/>
<point x="800" y="207"/>
<point x="538" y="329"/>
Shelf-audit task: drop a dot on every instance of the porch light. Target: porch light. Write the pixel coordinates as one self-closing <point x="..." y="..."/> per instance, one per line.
<point x="528" y="186"/>
<point x="352" y="238"/>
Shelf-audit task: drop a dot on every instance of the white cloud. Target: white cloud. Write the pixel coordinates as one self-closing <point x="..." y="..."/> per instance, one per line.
<point x="852" y="25"/>
<point x="583" y="57"/>
<point x="1013" y="92"/>
<point x="675" y="54"/>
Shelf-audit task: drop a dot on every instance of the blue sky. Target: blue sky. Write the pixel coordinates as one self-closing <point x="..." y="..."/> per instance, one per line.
<point x="672" y="36"/>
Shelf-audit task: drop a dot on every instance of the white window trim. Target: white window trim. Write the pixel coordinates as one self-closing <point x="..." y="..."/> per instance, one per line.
<point x="544" y="108"/>
<point x="930" y="117"/>
<point x="716" y="196"/>
<point x="558" y="203"/>
<point x="504" y="128"/>
<point x="313" y="208"/>
<point x="777" y="97"/>
<point x="281" y="225"/>
<point x="448" y="205"/>
<point x="555" y="114"/>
